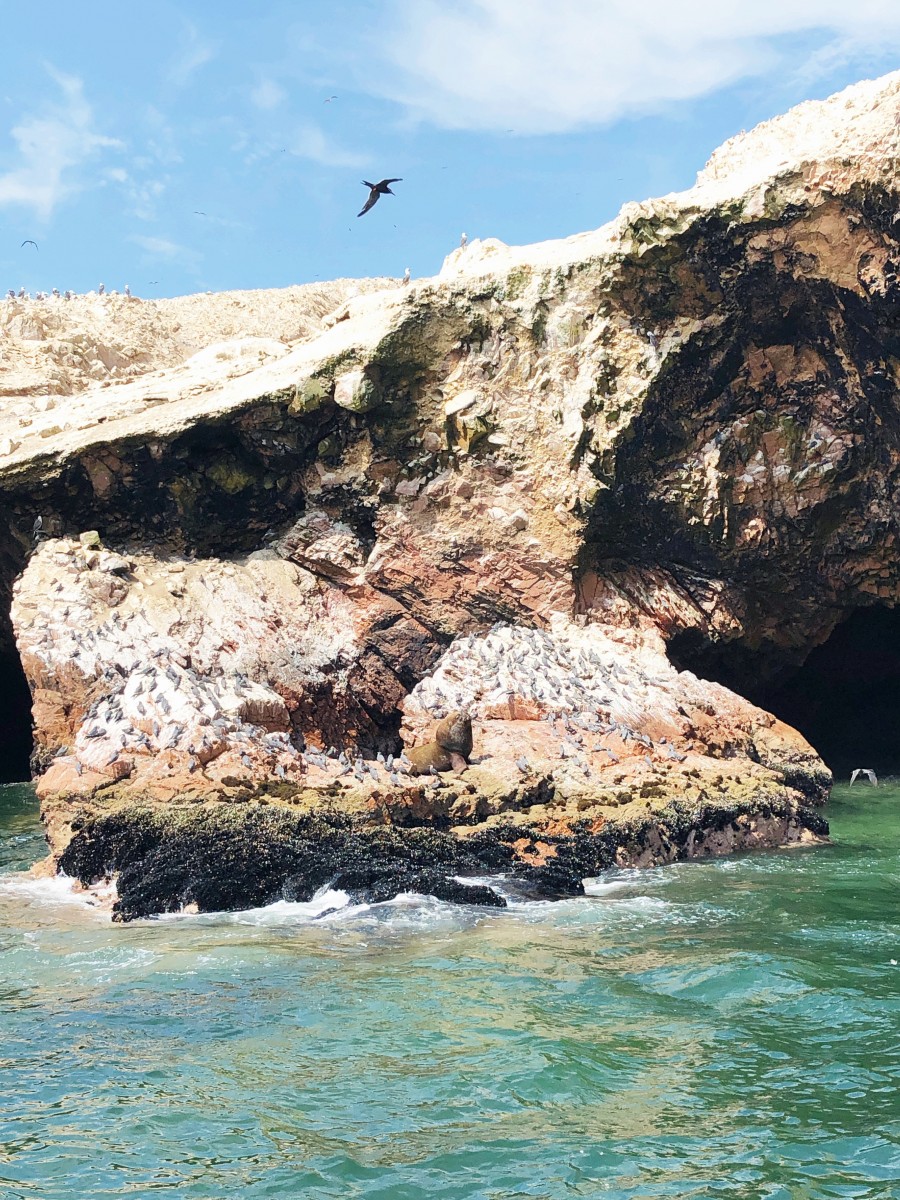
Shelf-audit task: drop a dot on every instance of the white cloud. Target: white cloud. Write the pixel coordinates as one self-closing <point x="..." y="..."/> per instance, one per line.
<point x="195" y="54"/>
<point x="144" y="196"/>
<point x="308" y="141"/>
<point x="157" y="247"/>
<point x="148" y="173"/>
<point x="51" y="146"/>
<point x="545" y="68"/>
<point x="267" y="94"/>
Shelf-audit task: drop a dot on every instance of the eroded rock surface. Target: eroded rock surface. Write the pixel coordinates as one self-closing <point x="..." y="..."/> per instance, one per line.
<point x="504" y="489"/>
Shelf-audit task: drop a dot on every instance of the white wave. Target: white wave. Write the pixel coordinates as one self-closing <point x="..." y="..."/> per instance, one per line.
<point x="413" y="912"/>
<point x="59" y="889"/>
<point x="325" y="903"/>
<point x="598" y="887"/>
<point x="607" y="900"/>
<point x="613" y="902"/>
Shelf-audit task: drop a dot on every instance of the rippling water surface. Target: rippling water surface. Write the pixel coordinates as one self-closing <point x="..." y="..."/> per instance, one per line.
<point x="729" y="1029"/>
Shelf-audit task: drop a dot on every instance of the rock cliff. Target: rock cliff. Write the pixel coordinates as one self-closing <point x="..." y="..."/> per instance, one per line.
<point x="271" y="564"/>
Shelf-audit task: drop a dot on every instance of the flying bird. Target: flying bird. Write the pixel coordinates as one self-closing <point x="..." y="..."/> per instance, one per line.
<point x="376" y="190"/>
<point x="329" y="100"/>
<point x="29" y="242"/>
<point x="869" y="774"/>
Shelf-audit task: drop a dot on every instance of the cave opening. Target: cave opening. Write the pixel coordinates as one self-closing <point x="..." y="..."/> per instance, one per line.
<point x="15" y="719"/>
<point x="844" y="697"/>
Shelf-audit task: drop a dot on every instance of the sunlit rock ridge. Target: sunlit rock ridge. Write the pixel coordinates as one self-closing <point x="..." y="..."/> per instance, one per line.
<point x="504" y="489"/>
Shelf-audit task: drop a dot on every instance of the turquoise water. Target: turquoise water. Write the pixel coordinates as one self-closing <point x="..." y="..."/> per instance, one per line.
<point x="729" y="1029"/>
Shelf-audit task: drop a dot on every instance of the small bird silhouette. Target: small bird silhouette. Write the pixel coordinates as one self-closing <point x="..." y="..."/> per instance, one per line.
<point x="29" y="242"/>
<point x="376" y="190"/>
<point x="329" y="100"/>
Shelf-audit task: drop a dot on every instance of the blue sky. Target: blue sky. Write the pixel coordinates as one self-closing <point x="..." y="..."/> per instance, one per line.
<point x="187" y="146"/>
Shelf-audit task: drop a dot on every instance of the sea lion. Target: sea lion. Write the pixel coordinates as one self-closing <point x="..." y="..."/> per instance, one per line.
<point x="423" y="758"/>
<point x="450" y="749"/>
<point x="454" y="734"/>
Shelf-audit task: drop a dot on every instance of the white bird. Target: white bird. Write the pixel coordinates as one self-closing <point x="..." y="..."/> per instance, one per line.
<point x="463" y="241"/>
<point x="869" y="774"/>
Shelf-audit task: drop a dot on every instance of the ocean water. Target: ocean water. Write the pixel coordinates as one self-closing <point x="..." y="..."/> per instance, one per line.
<point x="722" y="1029"/>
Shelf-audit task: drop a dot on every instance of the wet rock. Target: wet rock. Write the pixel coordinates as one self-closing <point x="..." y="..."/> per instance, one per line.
<point x="225" y="857"/>
<point x="222" y="859"/>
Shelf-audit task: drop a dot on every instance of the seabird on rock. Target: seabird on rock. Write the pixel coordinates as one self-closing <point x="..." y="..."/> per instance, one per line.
<point x="463" y="242"/>
<point x="406" y="275"/>
<point x="37" y="527"/>
<point x="101" y="289"/>
<point x="375" y="190"/>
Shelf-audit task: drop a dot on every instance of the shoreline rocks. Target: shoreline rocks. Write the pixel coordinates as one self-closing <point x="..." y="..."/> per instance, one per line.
<point x="221" y="858"/>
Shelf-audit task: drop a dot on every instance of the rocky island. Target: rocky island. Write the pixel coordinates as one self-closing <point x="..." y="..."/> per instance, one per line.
<point x="384" y="586"/>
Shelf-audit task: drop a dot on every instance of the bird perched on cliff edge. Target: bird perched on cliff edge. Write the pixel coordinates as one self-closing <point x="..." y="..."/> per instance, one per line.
<point x="376" y="190"/>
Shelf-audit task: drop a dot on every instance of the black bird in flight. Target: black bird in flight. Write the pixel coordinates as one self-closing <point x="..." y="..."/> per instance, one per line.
<point x="29" y="242"/>
<point x="376" y="190"/>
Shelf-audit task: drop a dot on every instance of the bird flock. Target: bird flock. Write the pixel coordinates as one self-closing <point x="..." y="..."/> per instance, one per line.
<point x="68" y="294"/>
<point x="562" y="670"/>
<point x="151" y="700"/>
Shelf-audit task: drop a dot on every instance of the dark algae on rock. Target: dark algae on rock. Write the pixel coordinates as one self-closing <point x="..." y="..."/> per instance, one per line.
<point x="222" y="858"/>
